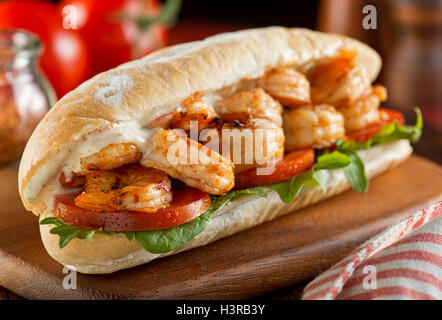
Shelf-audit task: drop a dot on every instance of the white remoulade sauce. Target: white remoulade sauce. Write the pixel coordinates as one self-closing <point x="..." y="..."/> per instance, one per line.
<point x="45" y="180"/>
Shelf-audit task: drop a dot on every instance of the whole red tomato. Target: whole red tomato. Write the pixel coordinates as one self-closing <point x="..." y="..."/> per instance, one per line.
<point x="65" y="59"/>
<point x="119" y="30"/>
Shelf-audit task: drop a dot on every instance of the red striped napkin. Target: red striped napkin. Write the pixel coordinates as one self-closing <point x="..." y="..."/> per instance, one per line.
<point x="402" y="262"/>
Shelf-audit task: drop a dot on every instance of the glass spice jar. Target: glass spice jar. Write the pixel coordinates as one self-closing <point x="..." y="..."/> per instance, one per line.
<point x="25" y="94"/>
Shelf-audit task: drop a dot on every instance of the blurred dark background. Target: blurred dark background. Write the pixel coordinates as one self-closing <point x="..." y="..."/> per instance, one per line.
<point x="259" y="13"/>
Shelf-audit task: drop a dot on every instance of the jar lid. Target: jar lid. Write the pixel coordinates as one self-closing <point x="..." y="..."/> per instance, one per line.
<point x="18" y="48"/>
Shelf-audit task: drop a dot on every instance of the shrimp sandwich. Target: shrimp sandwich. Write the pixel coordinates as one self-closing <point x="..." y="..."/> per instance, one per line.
<point x="198" y="141"/>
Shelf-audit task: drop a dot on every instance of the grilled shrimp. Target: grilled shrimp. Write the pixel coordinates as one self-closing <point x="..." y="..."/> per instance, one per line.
<point x="254" y="116"/>
<point x="312" y="126"/>
<point x="253" y="143"/>
<point x="339" y="81"/>
<point x="130" y="187"/>
<point x="253" y="103"/>
<point x="364" y="112"/>
<point x="288" y="86"/>
<point x="191" y="162"/>
<point x="110" y="157"/>
<point x="194" y="109"/>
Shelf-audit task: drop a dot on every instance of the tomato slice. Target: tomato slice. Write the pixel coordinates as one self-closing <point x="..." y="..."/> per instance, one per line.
<point x="387" y="116"/>
<point x="187" y="205"/>
<point x="291" y="165"/>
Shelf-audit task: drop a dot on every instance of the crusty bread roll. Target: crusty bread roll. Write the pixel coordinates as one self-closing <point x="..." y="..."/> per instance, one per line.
<point x="114" y="106"/>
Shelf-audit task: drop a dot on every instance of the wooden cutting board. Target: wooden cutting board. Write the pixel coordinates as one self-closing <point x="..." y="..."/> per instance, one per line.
<point x="288" y="250"/>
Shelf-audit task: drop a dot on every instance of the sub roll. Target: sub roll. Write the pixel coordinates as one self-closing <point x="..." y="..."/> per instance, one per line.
<point x="198" y="141"/>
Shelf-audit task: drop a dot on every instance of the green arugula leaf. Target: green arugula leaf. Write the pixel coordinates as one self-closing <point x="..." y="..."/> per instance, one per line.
<point x="257" y="191"/>
<point x="394" y="131"/>
<point x="349" y="161"/>
<point x="288" y="190"/>
<point x="355" y="173"/>
<point x="67" y="232"/>
<point x="333" y="160"/>
<point x="162" y="241"/>
<point x="51" y="220"/>
<point x="389" y="133"/>
<point x="129" y="235"/>
<point x="350" y="145"/>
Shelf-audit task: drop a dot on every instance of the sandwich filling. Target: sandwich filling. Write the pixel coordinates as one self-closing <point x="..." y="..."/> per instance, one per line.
<point x="277" y="133"/>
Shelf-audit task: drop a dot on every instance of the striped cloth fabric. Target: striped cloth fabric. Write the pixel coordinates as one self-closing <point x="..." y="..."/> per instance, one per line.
<point x="402" y="262"/>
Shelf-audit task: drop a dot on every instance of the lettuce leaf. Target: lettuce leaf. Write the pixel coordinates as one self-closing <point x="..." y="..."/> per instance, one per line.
<point x="355" y="173"/>
<point x="156" y="241"/>
<point x="332" y="160"/>
<point x="349" y="161"/>
<point x="288" y="190"/>
<point x="67" y="232"/>
<point x="389" y="133"/>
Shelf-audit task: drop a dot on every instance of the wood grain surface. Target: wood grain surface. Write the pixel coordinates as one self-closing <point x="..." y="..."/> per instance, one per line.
<point x="286" y="251"/>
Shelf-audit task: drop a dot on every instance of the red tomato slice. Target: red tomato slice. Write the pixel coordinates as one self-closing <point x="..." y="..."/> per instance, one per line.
<point x="291" y="165"/>
<point x="187" y="205"/>
<point x="387" y="116"/>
